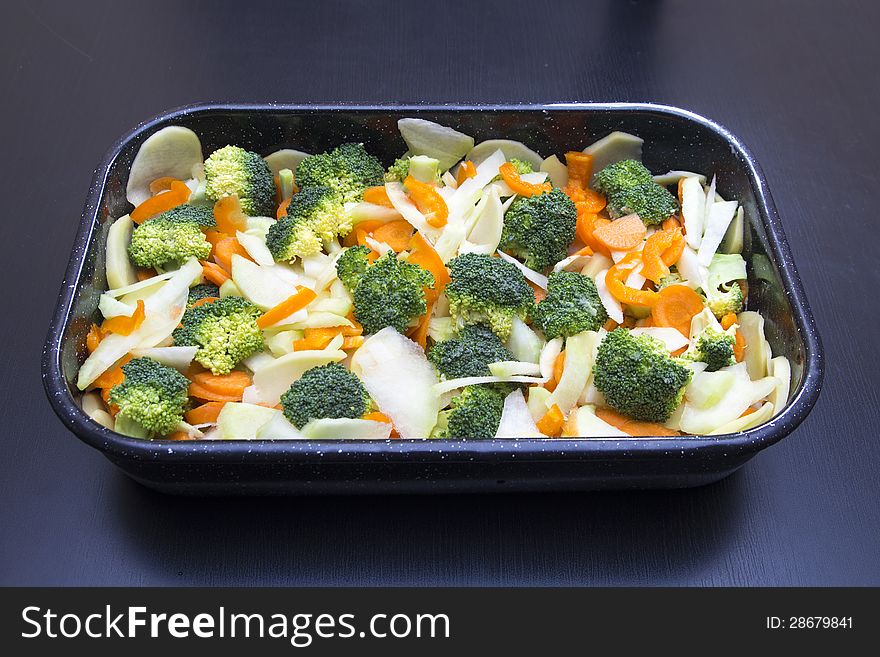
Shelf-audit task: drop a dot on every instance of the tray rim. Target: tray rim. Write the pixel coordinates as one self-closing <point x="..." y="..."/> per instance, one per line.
<point x="733" y="446"/>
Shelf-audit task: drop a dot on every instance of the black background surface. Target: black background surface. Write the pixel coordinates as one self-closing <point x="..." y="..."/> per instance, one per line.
<point x="797" y="81"/>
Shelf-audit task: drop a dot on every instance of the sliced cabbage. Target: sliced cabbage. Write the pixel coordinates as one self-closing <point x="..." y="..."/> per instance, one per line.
<point x="485" y="234"/>
<point x="120" y="271"/>
<point x="718" y="218"/>
<point x="315" y="320"/>
<point x="230" y="289"/>
<point x="399" y="378"/>
<point x="140" y="285"/>
<point x="672" y="338"/>
<point x="732" y="391"/>
<point x="672" y="177"/>
<point x="530" y="274"/>
<point x="364" y="211"/>
<point x="256" y="248"/>
<point x="179" y="358"/>
<point x="257" y="360"/>
<point x="240" y="421"/>
<point x="548" y="357"/>
<point x="516" y="420"/>
<point x="597" y="263"/>
<point x="336" y="305"/>
<point x="282" y="342"/>
<point x="346" y="429"/>
<point x="537" y="402"/>
<point x="612" y="305"/>
<point x="574" y="262"/>
<point x="111" y="307"/>
<point x="586" y="424"/>
<point x="286" y="158"/>
<point x="757" y="352"/>
<point x="434" y="140"/>
<point x="725" y="268"/>
<point x="259" y="226"/>
<point x="172" y="151"/>
<point x="781" y="369"/>
<point x="94" y="407"/>
<point x="514" y="368"/>
<point x="575" y="372"/>
<point x="272" y="380"/>
<point x="279" y="428"/>
<point x="511" y="149"/>
<point x="613" y="148"/>
<point x="408" y="210"/>
<point x="750" y="421"/>
<point x="733" y="238"/>
<point x="557" y="171"/>
<point x="449" y="385"/>
<point x="524" y="343"/>
<point x="693" y="210"/>
<point x="162" y="313"/>
<point x="262" y="286"/>
<point x="688" y="265"/>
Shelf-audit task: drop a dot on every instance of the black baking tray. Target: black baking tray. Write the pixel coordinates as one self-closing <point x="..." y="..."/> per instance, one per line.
<point x="674" y="139"/>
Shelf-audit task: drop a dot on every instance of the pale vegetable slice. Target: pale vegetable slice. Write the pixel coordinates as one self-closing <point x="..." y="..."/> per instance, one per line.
<point x="524" y="343"/>
<point x="454" y="384"/>
<point x="261" y="285"/>
<point x="335" y="305"/>
<point x="746" y="422"/>
<point x="256" y="248"/>
<point x="672" y="338"/>
<point x="537" y="402"/>
<point x="700" y="322"/>
<point x="94" y="407"/>
<point x="259" y="225"/>
<point x="694" y="273"/>
<point x="705" y="391"/>
<point x="586" y="424"/>
<point x="111" y="307"/>
<point x="596" y="263"/>
<point x="733" y="238"/>
<point x="575" y="372"/>
<point x="346" y="429"/>
<point x="573" y="262"/>
<point x="279" y="428"/>
<point x="612" y="305"/>
<point x="732" y="403"/>
<point x="781" y="369"/>
<point x="672" y="177"/>
<point x="449" y="180"/>
<point x="408" y="210"/>
<point x="120" y="271"/>
<point x="179" y="358"/>
<point x="240" y="421"/>
<point x="757" y="352"/>
<point x="511" y="149"/>
<point x="401" y="381"/>
<point x="516" y="420"/>
<point x="379" y="247"/>
<point x="693" y="210"/>
<point x="718" y="218"/>
<point x="513" y="368"/>
<point x="364" y="211"/>
<point x="230" y="289"/>
<point x="172" y="151"/>
<point x="286" y="158"/>
<point x="613" y="148"/>
<point x="316" y="320"/>
<point x="282" y="342"/>
<point x="257" y="361"/>
<point x="557" y="171"/>
<point x="530" y="274"/>
<point x="437" y="141"/>
<point x="468" y="193"/>
<point x="128" y="427"/>
<point x="273" y="379"/>
<point x="548" y="357"/>
<point x="485" y="234"/>
<point x="140" y="285"/>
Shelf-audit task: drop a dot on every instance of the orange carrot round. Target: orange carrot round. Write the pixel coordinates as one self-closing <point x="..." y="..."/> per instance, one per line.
<point x="622" y="234"/>
<point x="226" y="385"/>
<point x="205" y="413"/>
<point x="518" y="185"/>
<point x="633" y="427"/>
<point x="177" y="194"/>
<point x="395" y="234"/>
<point x="428" y="200"/>
<point x="675" y="307"/>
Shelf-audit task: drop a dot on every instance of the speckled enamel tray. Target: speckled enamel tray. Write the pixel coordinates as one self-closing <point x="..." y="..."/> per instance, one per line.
<point x="674" y="139"/>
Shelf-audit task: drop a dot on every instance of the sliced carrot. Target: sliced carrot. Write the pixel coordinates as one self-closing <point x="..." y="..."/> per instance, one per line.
<point x="142" y="273"/>
<point x="351" y="331"/>
<point x="669" y="223"/>
<point x="540" y="292"/>
<point x="222" y="385"/>
<point x="428" y="200"/>
<point x="673" y="254"/>
<point x="205" y="413"/>
<point x="580" y="168"/>
<point x="551" y="423"/>
<point x="228" y="215"/>
<point x="377" y="196"/>
<point x="739" y="347"/>
<point x="282" y="208"/>
<point x="224" y="249"/>
<point x="177" y="194"/>
<point x="465" y="170"/>
<point x="420" y="334"/>
<point x="203" y="301"/>
<point x="214" y="273"/>
<point x="587" y="223"/>
<point x="214" y="236"/>
<point x="123" y="325"/>
<point x="728" y="320"/>
<point x="352" y="342"/>
<point x="661" y="250"/>
<point x="675" y="307"/>
<point x="623" y="234"/>
<point x="678" y="352"/>
<point x="94" y="337"/>
<point x="323" y="335"/>
<point x="199" y="392"/>
<point x="633" y="427"/>
<point x="585" y="251"/>
<point x="395" y="234"/>
<point x="112" y="377"/>
<point x="518" y="185"/>
<point x="303" y="297"/>
<point x="424" y="255"/>
<point x="614" y="280"/>
<point x="377" y="416"/>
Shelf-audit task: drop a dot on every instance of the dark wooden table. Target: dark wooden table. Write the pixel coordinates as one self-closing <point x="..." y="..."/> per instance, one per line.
<point x="797" y="81"/>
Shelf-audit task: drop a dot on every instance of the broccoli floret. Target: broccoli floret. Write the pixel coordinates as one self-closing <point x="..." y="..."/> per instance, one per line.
<point x="469" y="353"/>
<point x="630" y="189"/>
<point x="352" y="264"/>
<point x="572" y="305"/>
<point x="233" y="170"/>
<point x="487" y="290"/>
<point x="225" y="332"/>
<point x="473" y="415"/>
<point x="727" y="298"/>
<point x="201" y="215"/>
<point x="638" y="377"/>
<point x="390" y="293"/>
<point x="153" y="396"/>
<point x="169" y="239"/>
<point x="314" y="216"/>
<point x="539" y="229"/>
<point x="673" y="278"/>
<point x="202" y="291"/>
<point x="713" y="347"/>
<point x="348" y="170"/>
<point x="398" y="171"/>
<point x="328" y="391"/>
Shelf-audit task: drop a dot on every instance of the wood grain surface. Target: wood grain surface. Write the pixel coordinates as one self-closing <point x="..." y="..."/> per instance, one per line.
<point x="797" y="81"/>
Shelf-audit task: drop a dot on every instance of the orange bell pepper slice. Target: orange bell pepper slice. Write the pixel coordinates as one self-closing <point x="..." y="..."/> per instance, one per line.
<point x="377" y="196"/>
<point x="518" y="185"/>
<point x="428" y="200"/>
<point x="123" y="325"/>
<point x="465" y="170"/>
<point x="661" y="250"/>
<point x="228" y="215"/>
<point x="177" y="194"/>
<point x="614" y="280"/>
